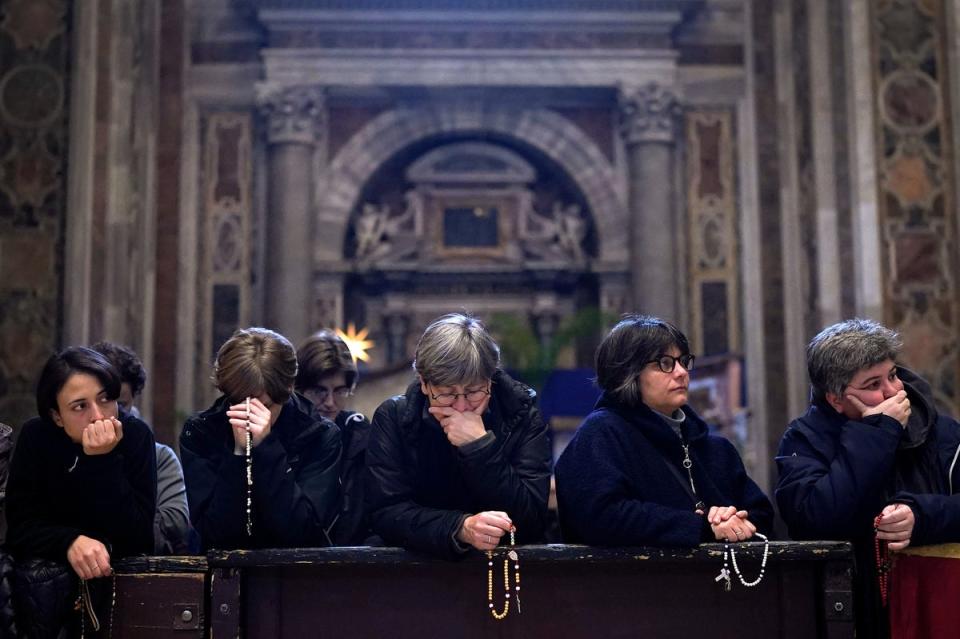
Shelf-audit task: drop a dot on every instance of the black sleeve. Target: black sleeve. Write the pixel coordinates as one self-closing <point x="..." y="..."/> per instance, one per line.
<point x="214" y="477"/>
<point x="122" y="487"/>
<point x="836" y="498"/>
<point x="518" y="483"/>
<point x="32" y="527"/>
<point x="297" y="509"/>
<point x="394" y="514"/>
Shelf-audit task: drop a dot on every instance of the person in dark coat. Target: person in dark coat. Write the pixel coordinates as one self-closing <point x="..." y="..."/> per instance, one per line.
<point x="462" y="458"/>
<point x="327" y="376"/>
<point x="83" y="480"/>
<point x="871" y="457"/>
<point x="295" y="456"/>
<point x="643" y="468"/>
<point x="172" y="534"/>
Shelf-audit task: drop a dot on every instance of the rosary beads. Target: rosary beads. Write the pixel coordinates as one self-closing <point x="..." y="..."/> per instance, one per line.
<point x="884" y="564"/>
<point x="85" y="605"/>
<point x="730" y="554"/>
<point x="249" y="457"/>
<point x="511" y="556"/>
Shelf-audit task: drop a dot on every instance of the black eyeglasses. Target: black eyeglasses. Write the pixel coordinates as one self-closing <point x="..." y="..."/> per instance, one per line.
<point x="449" y="399"/>
<point x="666" y="363"/>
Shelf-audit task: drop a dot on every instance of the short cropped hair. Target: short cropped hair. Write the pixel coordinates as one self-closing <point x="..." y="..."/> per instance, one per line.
<point x="839" y="351"/>
<point x="59" y="368"/>
<point x="456" y="349"/>
<point x="126" y="362"/>
<point x="324" y="353"/>
<point x="256" y="361"/>
<point x="629" y="346"/>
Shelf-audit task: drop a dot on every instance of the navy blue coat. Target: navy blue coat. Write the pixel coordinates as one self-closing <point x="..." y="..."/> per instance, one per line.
<point x="836" y="474"/>
<point x="615" y="486"/>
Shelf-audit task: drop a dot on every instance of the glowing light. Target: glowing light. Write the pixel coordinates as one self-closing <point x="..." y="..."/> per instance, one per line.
<point x="357" y="342"/>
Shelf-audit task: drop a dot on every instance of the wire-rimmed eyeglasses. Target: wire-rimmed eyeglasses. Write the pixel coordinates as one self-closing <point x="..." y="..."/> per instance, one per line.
<point x="666" y="363"/>
<point x="449" y="399"/>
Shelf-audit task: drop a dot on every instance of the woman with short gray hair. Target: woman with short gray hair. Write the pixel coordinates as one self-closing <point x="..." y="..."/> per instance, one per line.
<point x="462" y="458"/>
<point x="872" y="460"/>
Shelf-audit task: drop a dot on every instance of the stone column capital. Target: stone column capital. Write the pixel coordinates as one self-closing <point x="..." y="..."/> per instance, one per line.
<point x="648" y="113"/>
<point x="294" y="114"/>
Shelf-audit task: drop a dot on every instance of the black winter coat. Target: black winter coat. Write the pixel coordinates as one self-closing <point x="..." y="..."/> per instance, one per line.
<point x="621" y="482"/>
<point x="420" y="488"/>
<point x="296" y="472"/>
<point x="56" y="492"/>
<point x="836" y="475"/>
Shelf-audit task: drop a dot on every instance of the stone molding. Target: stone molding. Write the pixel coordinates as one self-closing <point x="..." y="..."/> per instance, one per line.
<point x="339" y="188"/>
<point x="293" y="114"/>
<point x="648" y="114"/>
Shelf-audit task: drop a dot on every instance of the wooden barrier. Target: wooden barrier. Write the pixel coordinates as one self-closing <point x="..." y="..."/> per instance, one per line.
<point x="567" y="591"/>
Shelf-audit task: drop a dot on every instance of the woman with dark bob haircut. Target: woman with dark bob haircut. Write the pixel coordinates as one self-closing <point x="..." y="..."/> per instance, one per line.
<point x="83" y="480"/>
<point x="643" y="468"/>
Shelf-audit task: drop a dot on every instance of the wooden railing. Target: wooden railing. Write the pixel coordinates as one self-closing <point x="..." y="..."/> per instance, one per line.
<point x="567" y="591"/>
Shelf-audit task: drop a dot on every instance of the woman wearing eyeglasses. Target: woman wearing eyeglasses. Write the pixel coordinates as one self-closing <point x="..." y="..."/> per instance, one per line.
<point x="643" y="468"/>
<point x="462" y="457"/>
<point x="327" y="376"/>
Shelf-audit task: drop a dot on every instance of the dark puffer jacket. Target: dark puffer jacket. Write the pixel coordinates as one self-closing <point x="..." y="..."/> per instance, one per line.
<point x="620" y="481"/>
<point x="296" y="471"/>
<point x="420" y="488"/>
<point x="837" y="474"/>
<point x="353" y="525"/>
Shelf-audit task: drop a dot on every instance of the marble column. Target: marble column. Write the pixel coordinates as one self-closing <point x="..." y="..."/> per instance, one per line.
<point x="296" y="123"/>
<point x="648" y="121"/>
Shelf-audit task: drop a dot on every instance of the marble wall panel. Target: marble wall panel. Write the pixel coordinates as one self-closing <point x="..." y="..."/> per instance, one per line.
<point x="34" y="60"/>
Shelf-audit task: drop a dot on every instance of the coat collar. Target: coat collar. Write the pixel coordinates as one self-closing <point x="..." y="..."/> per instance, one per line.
<point x="652" y="424"/>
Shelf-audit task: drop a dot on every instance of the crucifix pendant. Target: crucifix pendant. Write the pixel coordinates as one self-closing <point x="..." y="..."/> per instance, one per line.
<point x="725" y="577"/>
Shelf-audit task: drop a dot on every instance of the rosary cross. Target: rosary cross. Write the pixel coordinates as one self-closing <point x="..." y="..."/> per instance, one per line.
<point x="725" y="576"/>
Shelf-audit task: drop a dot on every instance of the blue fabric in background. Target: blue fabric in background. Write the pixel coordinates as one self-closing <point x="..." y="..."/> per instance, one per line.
<point x="569" y="393"/>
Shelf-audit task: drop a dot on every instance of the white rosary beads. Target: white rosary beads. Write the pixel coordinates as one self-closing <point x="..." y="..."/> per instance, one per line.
<point x="730" y="554"/>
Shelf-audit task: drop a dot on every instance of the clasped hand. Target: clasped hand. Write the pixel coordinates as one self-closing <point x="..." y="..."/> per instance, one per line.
<point x="896" y="526"/>
<point x="730" y="524"/>
<point x="460" y="428"/>
<point x="258" y="421"/>
<point x="484" y="530"/>
<point x="101" y="436"/>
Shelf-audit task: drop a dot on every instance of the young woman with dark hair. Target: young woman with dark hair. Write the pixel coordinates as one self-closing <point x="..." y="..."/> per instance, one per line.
<point x="83" y="482"/>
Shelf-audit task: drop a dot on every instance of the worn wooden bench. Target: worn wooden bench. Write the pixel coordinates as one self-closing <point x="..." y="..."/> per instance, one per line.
<point x="567" y="591"/>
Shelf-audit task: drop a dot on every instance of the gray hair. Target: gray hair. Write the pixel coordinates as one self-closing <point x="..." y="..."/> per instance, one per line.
<point x="839" y="351"/>
<point x="456" y="349"/>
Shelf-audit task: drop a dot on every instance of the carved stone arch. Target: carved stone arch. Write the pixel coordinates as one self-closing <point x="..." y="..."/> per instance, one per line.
<point x="544" y="130"/>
